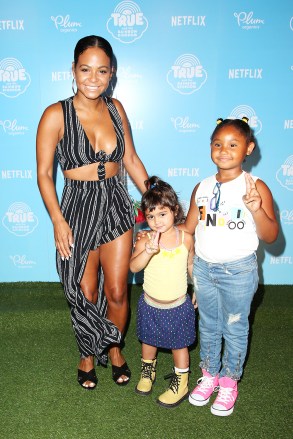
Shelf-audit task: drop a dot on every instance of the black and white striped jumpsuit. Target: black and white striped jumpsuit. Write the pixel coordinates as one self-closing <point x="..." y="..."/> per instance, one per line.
<point x="97" y="212"/>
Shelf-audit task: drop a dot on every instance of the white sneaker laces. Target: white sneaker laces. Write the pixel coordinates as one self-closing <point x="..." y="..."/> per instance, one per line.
<point x="225" y="395"/>
<point x="205" y="383"/>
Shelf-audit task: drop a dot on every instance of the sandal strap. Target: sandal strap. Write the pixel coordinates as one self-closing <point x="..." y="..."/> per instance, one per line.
<point x="83" y="376"/>
<point x="117" y="371"/>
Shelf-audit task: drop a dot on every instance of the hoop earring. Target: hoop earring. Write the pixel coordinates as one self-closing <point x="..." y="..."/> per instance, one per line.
<point x="72" y="86"/>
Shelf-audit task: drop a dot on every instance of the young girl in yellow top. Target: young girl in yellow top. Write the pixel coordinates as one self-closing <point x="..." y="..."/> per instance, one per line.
<point x="165" y="315"/>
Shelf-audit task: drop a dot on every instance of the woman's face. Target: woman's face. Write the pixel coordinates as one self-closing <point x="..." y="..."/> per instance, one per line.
<point x="92" y="72"/>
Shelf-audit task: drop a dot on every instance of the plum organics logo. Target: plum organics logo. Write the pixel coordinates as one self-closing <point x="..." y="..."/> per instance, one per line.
<point x="187" y="75"/>
<point x="183" y="124"/>
<point x="21" y="261"/>
<point x="247" y="21"/>
<point x="285" y="174"/>
<point x="14" y="80"/>
<point x="12" y="128"/>
<point x="127" y="22"/>
<point x="246" y="111"/>
<point x="19" y="219"/>
<point x="63" y="23"/>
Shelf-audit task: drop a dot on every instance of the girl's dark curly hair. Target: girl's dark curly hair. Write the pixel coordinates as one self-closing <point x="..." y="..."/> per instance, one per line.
<point x="160" y="193"/>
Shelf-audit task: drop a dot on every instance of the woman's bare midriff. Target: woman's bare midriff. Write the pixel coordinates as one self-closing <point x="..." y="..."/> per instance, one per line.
<point x="90" y="172"/>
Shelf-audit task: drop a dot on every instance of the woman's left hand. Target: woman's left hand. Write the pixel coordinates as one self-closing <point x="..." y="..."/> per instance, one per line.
<point x="252" y="198"/>
<point x="140" y="234"/>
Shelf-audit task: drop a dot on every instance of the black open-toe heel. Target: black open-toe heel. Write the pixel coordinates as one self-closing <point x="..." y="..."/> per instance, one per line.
<point x="83" y="376"/>
<point x="118" y="371"/>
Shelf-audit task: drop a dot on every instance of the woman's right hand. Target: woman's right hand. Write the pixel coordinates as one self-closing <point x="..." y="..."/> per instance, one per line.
<point x="140" y="234"/>
<point x="63" y="239"/>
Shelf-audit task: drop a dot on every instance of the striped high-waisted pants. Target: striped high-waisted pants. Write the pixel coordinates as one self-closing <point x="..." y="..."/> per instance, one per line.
<point x="97" y="212"/>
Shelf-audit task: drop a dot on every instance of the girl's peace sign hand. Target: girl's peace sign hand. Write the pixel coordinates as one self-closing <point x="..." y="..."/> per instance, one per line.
<point x="252" y="198"/>
<point x="152" y="246"/>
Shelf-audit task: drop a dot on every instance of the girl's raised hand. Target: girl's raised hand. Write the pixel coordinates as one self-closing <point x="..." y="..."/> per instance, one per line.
<point x="152" y="246"/>
<point x="252" y="198"/>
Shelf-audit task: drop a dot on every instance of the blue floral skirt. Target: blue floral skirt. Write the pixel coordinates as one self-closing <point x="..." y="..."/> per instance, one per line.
<point x="172" y="328"/>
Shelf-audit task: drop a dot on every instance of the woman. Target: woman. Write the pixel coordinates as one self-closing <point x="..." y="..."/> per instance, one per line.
<point x="90" y="135"/>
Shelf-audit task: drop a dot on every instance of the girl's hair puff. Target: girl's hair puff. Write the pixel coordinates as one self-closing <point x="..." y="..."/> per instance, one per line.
<point x="240" y="125"/>
<point x="160" y="193"/>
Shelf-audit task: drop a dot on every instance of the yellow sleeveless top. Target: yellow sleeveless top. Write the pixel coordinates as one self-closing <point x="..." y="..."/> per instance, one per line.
<point x="165" y="276"/>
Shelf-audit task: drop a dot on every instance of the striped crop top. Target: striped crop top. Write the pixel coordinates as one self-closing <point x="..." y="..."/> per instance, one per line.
<point x="165" y="276"/>
<point x="74" y="149"/>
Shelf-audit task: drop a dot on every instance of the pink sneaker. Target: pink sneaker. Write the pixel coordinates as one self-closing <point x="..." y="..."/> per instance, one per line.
<point x="224" y="403"/>
<point x="207" y="384"/>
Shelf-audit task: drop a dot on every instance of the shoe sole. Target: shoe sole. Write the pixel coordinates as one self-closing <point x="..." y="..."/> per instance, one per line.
<point x="88" y="388"/>
<point x="221" y="412"/>
<point x="197" y="402"/>
<point x="139" y="392"/>
<point x="169" y="406"/>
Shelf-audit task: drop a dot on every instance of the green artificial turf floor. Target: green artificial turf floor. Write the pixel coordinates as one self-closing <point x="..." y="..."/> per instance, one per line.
<point x="40" y="397"/>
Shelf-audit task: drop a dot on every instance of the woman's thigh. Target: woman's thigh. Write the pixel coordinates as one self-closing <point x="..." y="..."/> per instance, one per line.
<point x="114" y="259"/>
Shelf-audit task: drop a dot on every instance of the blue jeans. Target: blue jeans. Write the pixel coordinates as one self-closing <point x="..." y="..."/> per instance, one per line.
<point x="224" y="293"/>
